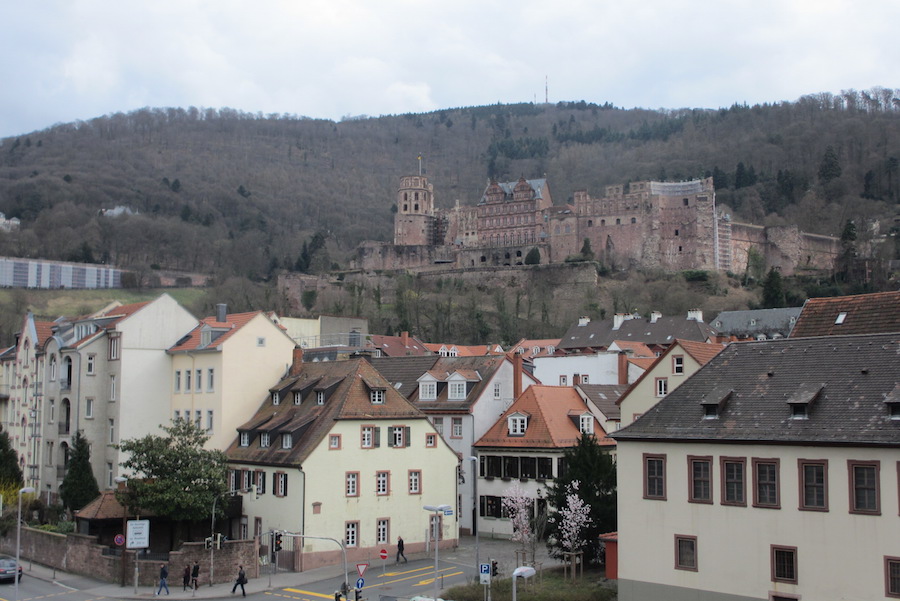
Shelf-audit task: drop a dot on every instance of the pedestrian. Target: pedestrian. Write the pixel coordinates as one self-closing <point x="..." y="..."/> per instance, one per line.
<point x="186" y="578"/>
<point x="195" y="575"/>
<point x="241" y="580"/>
<point x="163" y="576"/>
<point x="400" y="548"/>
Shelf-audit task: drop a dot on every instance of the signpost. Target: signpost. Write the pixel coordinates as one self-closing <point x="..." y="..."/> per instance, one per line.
<point x="137" y="536"/>
<point x="361" y="569"/>
<point x="383" y="554"/>
<point x="484" y="573"/>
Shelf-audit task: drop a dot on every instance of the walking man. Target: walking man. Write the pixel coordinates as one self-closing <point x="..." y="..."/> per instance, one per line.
<point x="400" y="547"/>
<point x="241" y="581"/>
<point x="163" y="576"/>
<point x="195" y="575"/>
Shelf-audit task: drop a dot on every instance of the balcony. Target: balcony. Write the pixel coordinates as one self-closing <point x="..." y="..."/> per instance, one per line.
<point x="61" y="471"/>
<point x="65" y="385"/>
<point x="64" y="428"/>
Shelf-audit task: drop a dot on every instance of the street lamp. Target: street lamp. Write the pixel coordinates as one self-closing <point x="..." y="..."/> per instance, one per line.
<point x="26" y="490"/>
<point x="124" y="480"/>
<point x="438" y="510"/>
<point x="474" y="461"/>
<point x="520" y="572"/>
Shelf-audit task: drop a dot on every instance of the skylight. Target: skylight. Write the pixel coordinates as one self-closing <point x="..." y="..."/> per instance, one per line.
<point x="840" y="318"/>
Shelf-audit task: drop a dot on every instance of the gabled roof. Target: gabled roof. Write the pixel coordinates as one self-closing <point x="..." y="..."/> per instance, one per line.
<point x="462" y="350"/>
<point x="393" y="346"/>
<point x="550" y="411"/>
<point x="661" y="332"/>
<point x="604" y="396"/>
<point x="527" y="345"/>
<point x="347" y="385"/>
<point x="846" y="381"/>
<point x="747" y="325"/>
<point x="862" y="314"/>
<point x="635" y="349"/>
<point x="221" y="331"/>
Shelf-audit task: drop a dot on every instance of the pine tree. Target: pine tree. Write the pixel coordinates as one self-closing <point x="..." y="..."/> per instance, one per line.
<point x="79" y="487"/>
<point x="830" y="167"/>
<point x="533" y="257"/>
<point x="10" y="473"/>
<point x="773" y="290"/>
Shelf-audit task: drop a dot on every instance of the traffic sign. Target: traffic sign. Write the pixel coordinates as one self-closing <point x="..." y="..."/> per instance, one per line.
<point x="448" y="512"/>
<point x="484" y="568"/>
<point x="120" y="539"/>
<point x="383" y="554"/>
<point x="360" y="583"/>
<point x="361" y="568"/>
<point x="138" y="534"/>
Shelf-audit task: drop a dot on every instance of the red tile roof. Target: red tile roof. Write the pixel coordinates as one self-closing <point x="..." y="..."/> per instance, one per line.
<point x="877" y="313"/>
<point x="232" y="324"/>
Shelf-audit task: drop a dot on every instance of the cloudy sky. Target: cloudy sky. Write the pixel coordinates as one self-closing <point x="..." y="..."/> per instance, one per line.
<point x="65" y="60"/>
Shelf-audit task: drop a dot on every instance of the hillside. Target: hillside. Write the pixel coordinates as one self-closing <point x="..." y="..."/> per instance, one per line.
<point x="231" y="193"/>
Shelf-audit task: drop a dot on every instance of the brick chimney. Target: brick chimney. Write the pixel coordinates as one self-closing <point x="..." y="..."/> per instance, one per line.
<point x="404" y="339"/>
<point x="623" y="368"/>
<point x="297" y="363"/>
<point x="517" y="376"/>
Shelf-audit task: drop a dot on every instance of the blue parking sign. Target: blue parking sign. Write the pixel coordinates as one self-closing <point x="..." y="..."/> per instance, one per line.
<point x="484" y="568"/>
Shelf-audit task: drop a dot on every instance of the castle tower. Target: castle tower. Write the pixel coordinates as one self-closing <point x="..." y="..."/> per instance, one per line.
<point x="414" y="223"/>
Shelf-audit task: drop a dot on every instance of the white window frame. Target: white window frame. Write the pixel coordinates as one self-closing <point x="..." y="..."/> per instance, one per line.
<point x="113" y="393"/>
<point x="320" y="397"/>
<point x="351" y="534"/>
<point x="382" y="483"/>
<point x="287" y="440"/>
<point x="427" y="391"/>
<point x="376" y="396"/>
<point x="367" y="437"/>
<point x="351" y="484"/>
<point x="662" y="387"/>
<point x="586" y="424"/>
<point x="210" y="379"/>
<point x="244" y="439"/>
<point x="456" y="427"/>
<point x="264" y="440"/>
<point x="112" y="431"/>
<point x="517" y="424"/>
<point x="457" y="391"/>
<point x="415" y="482"/>
<point x="88" y="408"/>
<point x="382" y="531"/>
<point x="177" y="381"/>
<point x="498" y="390"/>
<point x="91" y="364"/>
<point x="209" y="420"/>
<point x="276" y="398"/>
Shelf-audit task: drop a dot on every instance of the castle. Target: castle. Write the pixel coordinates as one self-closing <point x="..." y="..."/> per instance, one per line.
<point x="671" y="226"/>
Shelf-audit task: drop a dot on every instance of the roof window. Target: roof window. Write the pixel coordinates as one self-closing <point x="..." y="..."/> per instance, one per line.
<point x="840" y="318"/>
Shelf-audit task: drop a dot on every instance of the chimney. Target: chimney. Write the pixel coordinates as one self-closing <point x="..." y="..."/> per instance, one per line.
<point x="517" y="376"/>
<point x="619" y="319"/>
<point x="221" y="312"/>
<point x="583" y="321"/>
<point x="297" y="362"/>
<point x="404" y="339"/>
<point x="695" y="315"/>
<point x="654" y="316"/>
<point x="623" y="369"/>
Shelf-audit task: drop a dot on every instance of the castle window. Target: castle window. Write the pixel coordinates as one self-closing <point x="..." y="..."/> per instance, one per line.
<point x="416" y="207"/>
<point x="603" y="222"/>
<point x="676" y="232"/>
<point x="633" y="220"/>
<point x="416" y="197"/>
<point x="590" y="223"/>
<point x="685" y="201"/>
<point x="405" y="207"/>
<point x="618" y="222"/>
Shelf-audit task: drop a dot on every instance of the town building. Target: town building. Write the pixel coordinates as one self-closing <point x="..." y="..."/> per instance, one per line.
<point x="756" y="324"/>
<point x="855" y="314"/>
<point x="771" y="474"/>
<point x="656" y="331"/>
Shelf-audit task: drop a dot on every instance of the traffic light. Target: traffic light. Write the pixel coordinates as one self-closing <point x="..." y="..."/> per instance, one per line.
<point x="208" y="542"/>
<point x="218" y="540"/>
<point x="494" y="569"/>
<point x="277" y="542"/>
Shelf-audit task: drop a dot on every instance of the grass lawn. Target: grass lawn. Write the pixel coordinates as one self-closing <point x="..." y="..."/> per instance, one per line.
<point x="549" y="585"/>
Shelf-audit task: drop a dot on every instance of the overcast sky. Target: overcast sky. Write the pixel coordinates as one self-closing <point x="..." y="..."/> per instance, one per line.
<point x="65" y="60"/>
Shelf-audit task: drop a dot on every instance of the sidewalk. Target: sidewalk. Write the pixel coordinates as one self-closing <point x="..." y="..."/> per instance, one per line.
<point x="464" y="555"/>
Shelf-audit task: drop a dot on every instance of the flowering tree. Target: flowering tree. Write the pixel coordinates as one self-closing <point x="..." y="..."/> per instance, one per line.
<point x="572" y="520"/>
<point x="518" y="506"/>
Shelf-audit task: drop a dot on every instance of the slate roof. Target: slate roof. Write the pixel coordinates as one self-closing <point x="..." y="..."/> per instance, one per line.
<point x="747" y="325"/>
<point x="847" y="382"/>
<point x="403" y="374"/>
<point x="553" y="413"/>
<point x="865" y="314"/>
<point x="605" y="397"/>
<point x="346" y="385"/>
<point x="599" y="334"/>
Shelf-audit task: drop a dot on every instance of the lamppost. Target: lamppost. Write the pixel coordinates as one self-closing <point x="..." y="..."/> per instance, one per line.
<point x="475" y="500"/>
<point x="438" y="510"/>
<point x="124" y="480"/>
<point x="26" y="490"/>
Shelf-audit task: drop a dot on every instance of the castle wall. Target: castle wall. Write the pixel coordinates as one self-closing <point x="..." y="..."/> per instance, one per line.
<point x="374" y="256"/>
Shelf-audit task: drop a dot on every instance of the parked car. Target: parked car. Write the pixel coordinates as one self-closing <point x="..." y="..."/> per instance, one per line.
<point x="8" y="569"/>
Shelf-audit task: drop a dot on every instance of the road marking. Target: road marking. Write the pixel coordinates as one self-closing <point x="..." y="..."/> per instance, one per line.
<point x="431" y="580"/>
<point x="425" y="569"/>
<point x="288" y="596"/>
<point x="320" y="595"/>
<point x="415" y="576"/>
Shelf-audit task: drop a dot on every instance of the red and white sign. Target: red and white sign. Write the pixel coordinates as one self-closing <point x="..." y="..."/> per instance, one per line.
<point x="383" y="554"/>
<point x="361" y="568"/>
<point x="120" y="539"/>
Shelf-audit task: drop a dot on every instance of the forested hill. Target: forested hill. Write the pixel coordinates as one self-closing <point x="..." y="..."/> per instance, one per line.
<point x="225" y="191"/>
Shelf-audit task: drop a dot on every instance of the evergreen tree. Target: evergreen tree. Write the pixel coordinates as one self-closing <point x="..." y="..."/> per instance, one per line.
<point x="587" y="252"/>
<point x="773" y="290"/>
<point x="10" y="472"/>
<point x="594" y="470"/>
<point x="830" y="167"/>
<point x="533" y="257"/>
<point x="79" y="487"/>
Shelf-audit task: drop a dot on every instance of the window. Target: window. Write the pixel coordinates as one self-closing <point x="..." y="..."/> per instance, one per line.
<point x="187" y="380"/>
<point x="382" y="531"/>
<point x="276" y="398"/>
<point x="334" y="441"/>
<point x="198" y="416"/>
<point x="497" y="390"/>
<point x="428" y="391"/>
<point x="431" y="440"/>
<point x="245" y="439"/>
<point x="199" y="380"/>
<point x="297" y="397"/>
<point x="865" y="491"/>
<point x="245" y="478"/>
<point x="382" y="483"/>
<point x="177" y="380"/>
<point x="281" y="484"/>
<point x="700" y="479"/>
<point x="457" y="391"/>
<point x="351" y="532"/>
<point x="784" y="564"/>
<point x="586" y="424"/>
<point x="813" y="484"/>
<point x="563" y="380"/>
<point x="457" y="428"/>
<point x="438" y="424"/>
<point x="376" y="396"/>
<point x="88" y="408"/>
<point x="109" y="475"/>
<point x="112" y="387"/>
<point x="209" y="420"/>
<point x="892" y="576"/>
<point x="678" y="364"/>
<point x="685" y="552"/>
<point x="260" y="482"/>
<point x="733" y="480"/>
<point x="92" y="365"/>
<point x="114" y="347"/>
<point x="662" y="387"/>
<point x="399" y="434"/>
<point x="53" y="368"/>
<point x="320" y="397"/>
<point x="112" y="431"/>
<point x="369" y="437"/>
<point x="840" y="318"/>
<point x="655" y="477"/>
<point x="415" y="482"/>
<point x="585" y="379"/>
<point x="351" y="480"/>
<point x="210" y="379"/>
<point x="261" y="341"/>
<point x="766" y="483"/>
<point x="517" y="425"/>
<point x="287" y="440"/>
<point x="52" y="411"/>
<point x="263" y="440"/>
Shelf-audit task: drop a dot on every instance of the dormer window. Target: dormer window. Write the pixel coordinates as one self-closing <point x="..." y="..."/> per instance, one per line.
<point x="320" y="397"/>
<point x="205" y="337"/>
<point x="714" y="401"/>
<point x="710" y="412"/>
<point x="245" y="439"/>
<point x="798" y="411"/>
<point x="263" y="440"/>
<point x="535" y="350"/>
<point x="457" y="391"/>
<point x="801" y="401"/>
<point x="551" y="350"/>
<point x="586" y="424"/>
<point x="276" y="397"/>
<point x="427" y="391"/>
<point x="297" y="397"/>
<point x="517" y="425"/>
<point x="287" y="440"/>
<point x="376" y="396"/>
